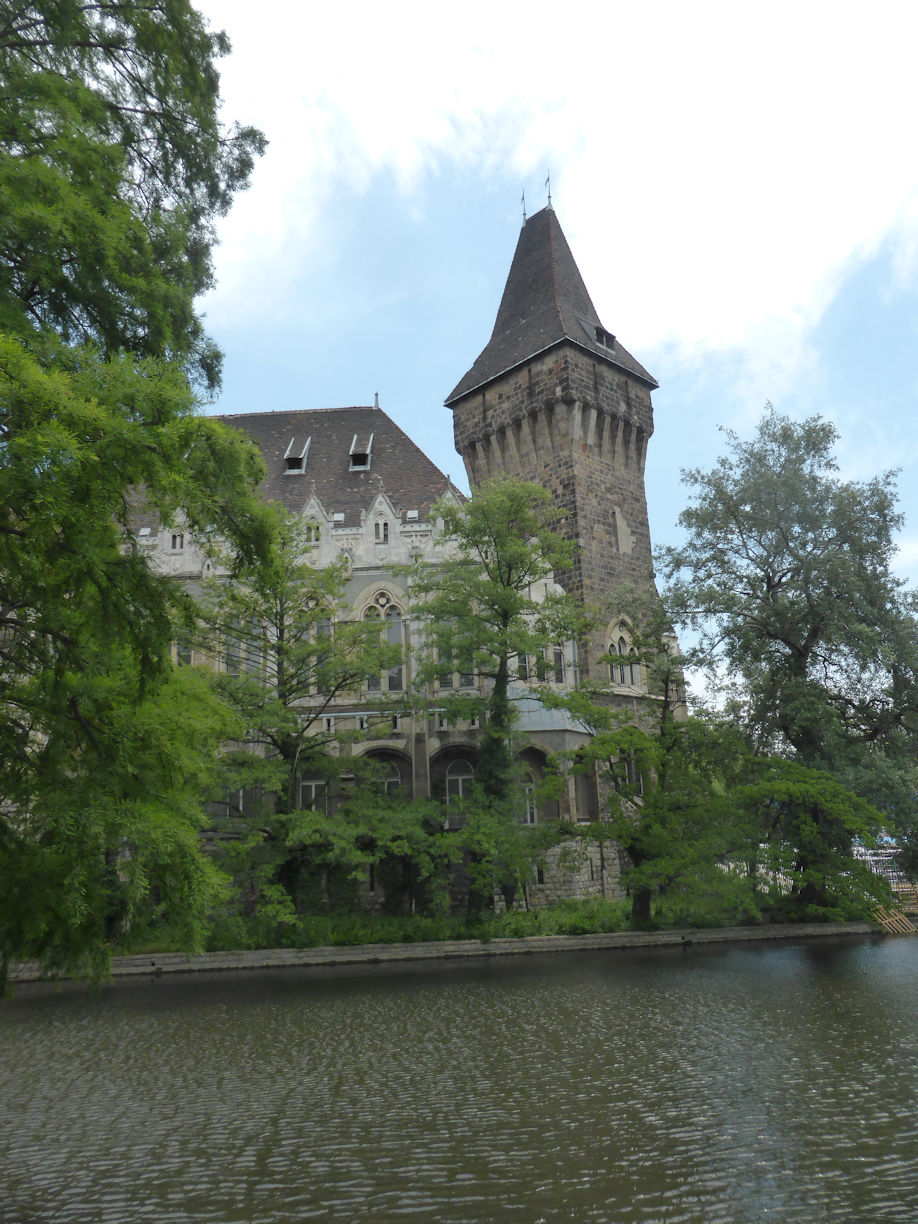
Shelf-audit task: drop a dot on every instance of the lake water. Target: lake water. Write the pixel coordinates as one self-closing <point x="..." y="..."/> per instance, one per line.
<point x="736" y="1085"/>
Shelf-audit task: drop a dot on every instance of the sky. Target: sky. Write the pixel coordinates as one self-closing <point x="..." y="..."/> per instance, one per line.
<point x="738" y="184"/>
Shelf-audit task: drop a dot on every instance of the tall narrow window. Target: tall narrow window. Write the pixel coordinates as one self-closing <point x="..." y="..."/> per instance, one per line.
<point x="622" y="657"/>
<point x="231" y="656"/>
<point x="529" y="803"/>
<point x="634" y="670"/>
<point x="394" y="638"/>
<point x="558" y="659"/>
<point x="253" y="649"/>
<point x="373" y="680"/>
<point x="178" y="542"/>
<point x="381" y="531"/>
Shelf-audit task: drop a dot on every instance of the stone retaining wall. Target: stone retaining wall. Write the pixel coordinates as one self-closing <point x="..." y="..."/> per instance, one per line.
<point x="369" y="954"/>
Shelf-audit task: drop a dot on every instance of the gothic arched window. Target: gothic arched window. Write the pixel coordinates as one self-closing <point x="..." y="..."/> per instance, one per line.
<point x="382" y="609"/>
<point x="622" y="653"/>
<point x="634" y="668"/>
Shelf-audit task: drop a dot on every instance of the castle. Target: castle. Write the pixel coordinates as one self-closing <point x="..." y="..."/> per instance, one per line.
<point x="553" y="398"/>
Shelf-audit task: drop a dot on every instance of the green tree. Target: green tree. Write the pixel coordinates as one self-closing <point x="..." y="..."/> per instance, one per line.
<point x="807" y="821"/>
<point x="494" y="612"/>
<point x="493" y="605"/>
<point x="112" y="168"/>
<point x="786" y="578"/>
<point x="669" y="779"/>
<point x="290" y="653"/>
<point x="110" y="838"/>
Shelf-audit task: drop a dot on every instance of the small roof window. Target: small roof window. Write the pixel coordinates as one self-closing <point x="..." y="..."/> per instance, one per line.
<point x="294" y="460"/>
<point x="598" y="334"/>
<point x="360" y="454"/>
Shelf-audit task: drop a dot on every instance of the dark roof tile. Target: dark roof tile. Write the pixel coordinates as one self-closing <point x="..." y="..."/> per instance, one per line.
<point x="545" y="302"/>
<point x="397" y="465"/>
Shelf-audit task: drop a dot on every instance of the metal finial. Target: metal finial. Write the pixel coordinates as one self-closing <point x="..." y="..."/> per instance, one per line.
<point x="376" y="400"/>
<point x="548" y="187"/>
<point x="523" y="202"/>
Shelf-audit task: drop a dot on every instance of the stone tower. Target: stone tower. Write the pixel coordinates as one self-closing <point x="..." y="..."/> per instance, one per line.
<point x="554" y="398"/>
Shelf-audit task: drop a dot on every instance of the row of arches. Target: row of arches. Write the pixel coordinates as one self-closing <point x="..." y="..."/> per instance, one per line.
<point x="452" y="779"/>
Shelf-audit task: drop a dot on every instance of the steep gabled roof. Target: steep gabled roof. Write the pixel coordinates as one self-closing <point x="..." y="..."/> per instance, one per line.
<point x="545" y="302"/>
<point x="396" y="464"/>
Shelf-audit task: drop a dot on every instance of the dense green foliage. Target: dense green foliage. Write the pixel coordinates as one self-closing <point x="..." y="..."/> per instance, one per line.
<point x="786" y="579"/>
<point x="483" y="613"/>
<point x="492" y="609"/>
<point x="112" y="167"/>
<point x="237" y="931"/>
<point x="290" y="651"/>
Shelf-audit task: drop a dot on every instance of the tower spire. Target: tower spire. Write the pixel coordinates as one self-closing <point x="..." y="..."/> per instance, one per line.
<point x="545" y="301"/>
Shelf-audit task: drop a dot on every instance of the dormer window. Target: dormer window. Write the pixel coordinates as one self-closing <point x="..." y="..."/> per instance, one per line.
<point x="295" y="459"/>
<point x="598" y="334"/>
<point x="361" y="450"/>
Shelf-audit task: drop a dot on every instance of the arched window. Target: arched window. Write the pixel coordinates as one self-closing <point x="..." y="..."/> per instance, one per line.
<point x="622" y="657"/>
<point x="311" y="532"/>
<point x="382" y="609"/>
<point x="373" y="681"/>
<point x="460" y="778"/>
<point x="634" y="668"/>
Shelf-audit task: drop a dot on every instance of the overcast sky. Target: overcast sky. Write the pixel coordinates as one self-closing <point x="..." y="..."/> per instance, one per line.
<point x="738" y="184"/>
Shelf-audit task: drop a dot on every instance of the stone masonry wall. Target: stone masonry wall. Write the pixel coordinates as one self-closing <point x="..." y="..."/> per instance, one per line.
<point x="579" y="427"/>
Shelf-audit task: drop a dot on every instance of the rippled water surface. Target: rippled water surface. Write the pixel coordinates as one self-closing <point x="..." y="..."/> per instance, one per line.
<point x="754" y="1084"/>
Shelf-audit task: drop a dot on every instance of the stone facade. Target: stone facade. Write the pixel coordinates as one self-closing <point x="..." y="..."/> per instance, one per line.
<point x="553" y="399"/>
<point x="579" y="429"/>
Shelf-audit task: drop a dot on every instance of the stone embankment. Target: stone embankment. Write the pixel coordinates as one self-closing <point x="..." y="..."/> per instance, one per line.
<point x="460" y="949"/>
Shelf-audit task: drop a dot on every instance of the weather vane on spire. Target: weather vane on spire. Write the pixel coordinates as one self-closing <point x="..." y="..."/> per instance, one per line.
<point x="523" y="202"/>
<point x="548" y="187"/>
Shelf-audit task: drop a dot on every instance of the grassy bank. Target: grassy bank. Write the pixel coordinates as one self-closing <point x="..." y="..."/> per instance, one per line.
<point x="591" y="916"/>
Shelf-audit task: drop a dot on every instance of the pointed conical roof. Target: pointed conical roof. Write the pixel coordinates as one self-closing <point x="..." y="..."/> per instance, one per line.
<point x="545" y="301"/>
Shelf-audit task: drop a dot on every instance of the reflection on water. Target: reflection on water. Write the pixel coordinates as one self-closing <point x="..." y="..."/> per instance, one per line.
<point x="753" y="1084"/>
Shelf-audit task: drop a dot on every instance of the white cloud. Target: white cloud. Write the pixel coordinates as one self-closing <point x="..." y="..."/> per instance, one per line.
<point x="753" y="154"/>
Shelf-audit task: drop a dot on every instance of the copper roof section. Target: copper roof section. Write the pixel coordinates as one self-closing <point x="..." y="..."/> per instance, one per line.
<point x="545" y="302"/>
<point x="398" y="466"/>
